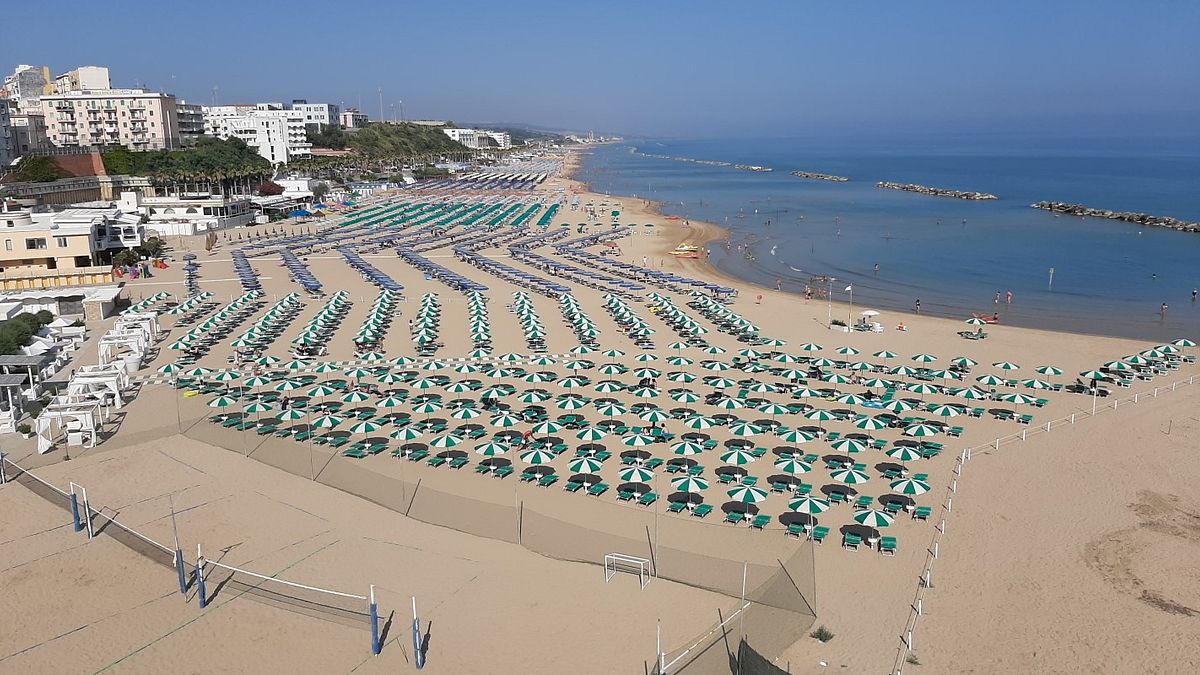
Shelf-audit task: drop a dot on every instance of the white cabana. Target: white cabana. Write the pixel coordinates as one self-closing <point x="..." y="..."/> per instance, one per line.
<point x="77" y="421"/>
<point x="104" y="384"/>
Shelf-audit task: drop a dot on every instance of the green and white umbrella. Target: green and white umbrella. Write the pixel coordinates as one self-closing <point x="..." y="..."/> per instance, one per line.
<point x="729" y="403"/>
<point x="747" y="495"/>
<point x="835" y="378"/>
<point x="973" y="394"/>
<point x="327" y="421"/>
<point x="884" y="354"/>
<point x="909" y="486"/>
<point x="290" y="415"/>
<point x="609" y="387"/>
<point x="870" y="423"/>
<point x="1034" y="383"/>
<point x="686" y="448"/>
<point x="1118" y="365"/>
<point x="809" y="505"/>
<point x="365" y="427"/>
<point x="445" y="441"/>
<point x="850" y="399"/>
<point x="222" y="402"/>
<point x="258" y="408"/>
<point x="584" y="465"/>
<point x="924" y="358"/>
<point x="197" y="372"/>
<point x="1093" y="375"/>
<point x="850" y="476"/>
<point x="1017" y="397"/>
<point x="355" y="397"/>
<point x="1183" y="342"/>
<point x="792" y="465"/>
<point x="654" y="415"/>
<point x="690" y="484"/>
<point x="1005" y="365"/>
<point x="848" y="351"/>
<point x="226" y="376"/>
<point x="1049" y="370"/>
<point x="874" y="518"/>
<point x="820" y="415"/>
<point x="921" y="429"/>
<point x="811" y="347"/>
<point x="491" y="448"/>
<point x="699" y="422"/>
<point x="635" y="474"/>
<point x="258" y="381"/>
<point x="320" y="391"/>
<point x="849" y="445"/>
<point x="945" y="410"/>
<point x="537" y="457"/>
<point x="737" y="456"/>
<point x="570" y="403"/>
<point x="389" y="402"/>
<point x="903" y="453"/>
<point x="534" y="397"/>
<point x="922" y="388"/>
<point x="975" y="321"/>
<point x="637" y="440"/>
<point x="406" y="434"/>
<point x="744" y="429"/>
<point x="591" y="434"/>
<point x="466" y="413"/>
<point x="430" y="406"/>
<point x="505" y="420"/>
<point x="547" y="427"/>
<point x="774" y="409"/>
<point x="898" y="405"/>
<point x="795" y="436"/>
<point x="610" y="409"/>
<point x="288" y="385"/>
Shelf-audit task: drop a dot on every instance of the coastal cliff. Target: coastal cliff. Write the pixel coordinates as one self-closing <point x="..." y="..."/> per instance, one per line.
<point x="1127" y="216"/>
<point x="820" y="176"/>
<point x="935" y="192"/>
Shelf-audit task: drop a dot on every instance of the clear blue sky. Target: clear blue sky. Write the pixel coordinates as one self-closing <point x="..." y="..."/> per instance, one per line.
<point x="680" y="68"/>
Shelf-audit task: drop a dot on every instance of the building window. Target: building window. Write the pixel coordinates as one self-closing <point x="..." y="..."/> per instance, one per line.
<point x="61" y="242"/>
<point x="36" y="244"/>
<point x="8" y="244"/>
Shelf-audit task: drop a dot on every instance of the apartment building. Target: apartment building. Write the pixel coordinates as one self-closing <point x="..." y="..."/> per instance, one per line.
<point x="83" y="77"/>
<point x="26" y="83"/>
<point x="135" y="118"/>
<point x="353" y="119"/>
<point x="7" y="136"/>
<point x="277" y="134"/>
<point x="320" y="114"/>
<point x="65" y="242"/>
<point x="480" y="139"/>
<point x="191" y="121"/>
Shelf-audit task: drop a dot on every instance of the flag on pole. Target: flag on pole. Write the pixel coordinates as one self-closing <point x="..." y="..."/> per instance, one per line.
<point x="851" y="286"/>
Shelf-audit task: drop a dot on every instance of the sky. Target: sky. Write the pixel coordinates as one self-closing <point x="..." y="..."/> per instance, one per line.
<point x="659" y="67"/>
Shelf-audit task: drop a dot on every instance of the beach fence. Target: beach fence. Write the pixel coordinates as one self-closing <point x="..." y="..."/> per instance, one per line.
<point x="769" y="578"/>
<point x="925" y="580"/>
<point x="209" y="580"/>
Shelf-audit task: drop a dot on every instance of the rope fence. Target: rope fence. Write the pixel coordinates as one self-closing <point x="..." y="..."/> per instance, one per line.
<point x="925" y="580"/>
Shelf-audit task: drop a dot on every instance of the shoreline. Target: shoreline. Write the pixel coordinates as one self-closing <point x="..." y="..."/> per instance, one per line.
<point x="705" y="234"/>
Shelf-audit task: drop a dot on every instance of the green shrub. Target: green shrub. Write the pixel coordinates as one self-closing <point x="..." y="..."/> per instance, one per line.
<point x="24" y="429"/>
<point x="822" y="633"/>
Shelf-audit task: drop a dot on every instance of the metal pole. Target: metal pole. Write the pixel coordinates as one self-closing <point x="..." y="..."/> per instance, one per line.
<point x="201" y="591"/>
<point x="3" y="476"/>
<point x="418" y="653"/>
<point x="178" y="551"/>
<point x="829" y="297"/>
<point x="376" y="647"/>
<point x="662" y="658"/>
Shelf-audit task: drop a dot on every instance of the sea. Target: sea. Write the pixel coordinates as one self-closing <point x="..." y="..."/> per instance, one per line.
<point x="1086" y="275"/>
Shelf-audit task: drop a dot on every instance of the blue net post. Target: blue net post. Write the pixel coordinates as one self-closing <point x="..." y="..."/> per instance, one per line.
<point x="201" y="592"/>
<point x="75" y="512"/>
<point x="376" y="647"/>
<point x="179" y="569"/>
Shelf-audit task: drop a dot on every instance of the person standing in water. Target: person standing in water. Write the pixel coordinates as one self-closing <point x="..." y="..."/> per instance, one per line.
<point x="1008" y="297"/>
<point x="918" y="305"/>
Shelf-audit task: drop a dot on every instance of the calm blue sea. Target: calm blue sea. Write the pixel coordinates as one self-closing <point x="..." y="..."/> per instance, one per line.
<point x="1110" y="277"/>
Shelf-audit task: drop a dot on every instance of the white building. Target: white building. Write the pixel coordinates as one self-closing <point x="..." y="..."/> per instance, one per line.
<point x="28" y="132"/>
<point x="7" y="136"/>
<point x="480" y="139"/>
<point x="83" y="77"/>
<point x="135" y="118"/>
<point x="320" y="114"/>
<point x="277" y="135"/>
<point x="188" y="214"/>
<point x="353" y="119"/>
<point x="26" y="84"/>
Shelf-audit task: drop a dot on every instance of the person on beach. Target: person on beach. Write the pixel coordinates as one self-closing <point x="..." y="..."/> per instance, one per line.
<point x="918" y="305"/>
<point x="1163" y="310"/>
<point x="876" y="268"/>
<point x="1008" y="297"/>
<point x="1193" y="295"/>
<point x="779" y="285"/>
<point x="997" y="300"/>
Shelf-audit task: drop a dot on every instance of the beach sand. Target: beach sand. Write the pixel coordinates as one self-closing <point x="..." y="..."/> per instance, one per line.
<point x="1028" y="520"/>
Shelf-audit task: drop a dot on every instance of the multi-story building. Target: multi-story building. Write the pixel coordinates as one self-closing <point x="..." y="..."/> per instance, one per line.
<point x="353" y="119"/>
<point x="29" y="132"/>
<point x="135" y="118"/>
<point x="320" y="114"/>
<point x="26" y="84"/>
<point x="69" y="242"/>
<point x="83" y="77"/>
<point x="7" y="137"/>
<point x="191" y="121"/>
<point x="188" y="214"/>
<point x="278" y="135"/>
<point x="480" y="139"/>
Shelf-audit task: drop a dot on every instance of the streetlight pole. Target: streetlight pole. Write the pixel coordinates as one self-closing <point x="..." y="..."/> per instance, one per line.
<point x="829" y="298"/>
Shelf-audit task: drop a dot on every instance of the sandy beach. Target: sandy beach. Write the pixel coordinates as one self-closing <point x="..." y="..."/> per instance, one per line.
<point x="1068" y="551"/>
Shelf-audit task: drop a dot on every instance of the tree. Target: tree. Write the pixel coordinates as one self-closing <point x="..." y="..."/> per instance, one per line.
<point x="319" y="191"/>
<point x="152" y="247"/>
<point x="269" y="189"/>
<point x="39" y="169"/>
<point x="126" y="257"/>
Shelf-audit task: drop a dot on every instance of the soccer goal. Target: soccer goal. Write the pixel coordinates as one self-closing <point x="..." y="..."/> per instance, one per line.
<point x="619" y="562"/>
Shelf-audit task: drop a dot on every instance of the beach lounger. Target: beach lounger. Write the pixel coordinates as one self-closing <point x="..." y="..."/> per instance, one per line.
<point x="653" y="463"/>
<point x="796" y="530"/>
<point x="458" y="462"/>
<point x="702" y="510"/>
<point x="573" y="486"/>
<point x="547" y="481"/>
<point x="436" y="461"/>
<point x="419" y="455"/>
<point x="862" y="503"/>
<point x="527" y="477"/>
<point x="760" y="522"/>
<point x="837" y="496"/>
<point x="803" y="489"/>
<point x="598" y="489"/>
<point x="356" y="453"/>
<point x="647" y="499"/>
<point x="626" y="495"/>
<point x="851" y="541"/>
<point x="677" y="507"/>
<point x="922" y="513"/>
<point x="483" y="468"/>
<point x="887" y="545"/>
<point x="954" y="431"/>
<point x="503" y="472"/>
<point x="1025" y="419"/>
<point x="734" y="517"/>
<point x="819" y="533"/>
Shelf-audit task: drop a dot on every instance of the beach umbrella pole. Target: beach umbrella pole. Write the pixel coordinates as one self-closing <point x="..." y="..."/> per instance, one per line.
<point x="418" y="653"/>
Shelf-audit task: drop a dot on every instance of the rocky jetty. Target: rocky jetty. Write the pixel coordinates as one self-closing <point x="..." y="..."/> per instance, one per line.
<point x="752" y="167"/>
<point x="936" y="192"/>
<point x="819" y="176"/>
<point x="1127" y="216"/>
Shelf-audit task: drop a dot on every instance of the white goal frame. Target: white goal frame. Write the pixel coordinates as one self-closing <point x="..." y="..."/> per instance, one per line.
<point x="619" y="562"/>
